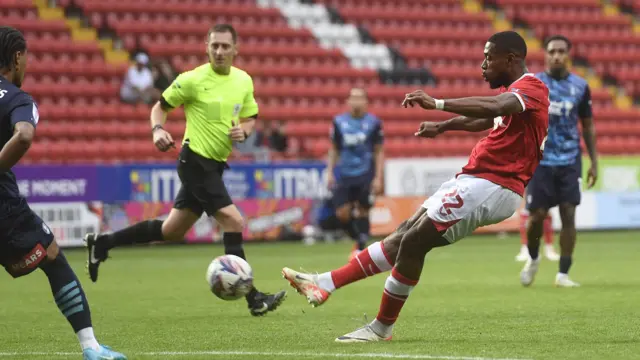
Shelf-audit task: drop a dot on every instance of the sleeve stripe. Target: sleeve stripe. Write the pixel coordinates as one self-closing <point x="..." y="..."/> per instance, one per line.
<point x="524" y="107"/>
<point x="165" y="104"/>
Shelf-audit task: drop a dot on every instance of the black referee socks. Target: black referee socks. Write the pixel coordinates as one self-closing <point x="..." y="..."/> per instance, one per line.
<point x="233" y="244"/>
<point x="140" y="233"/>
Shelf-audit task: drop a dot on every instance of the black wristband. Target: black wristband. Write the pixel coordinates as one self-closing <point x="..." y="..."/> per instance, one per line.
<point x="156" y="127"/>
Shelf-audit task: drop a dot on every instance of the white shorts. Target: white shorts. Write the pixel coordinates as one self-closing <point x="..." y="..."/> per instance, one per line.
<point x="465" y="203"/>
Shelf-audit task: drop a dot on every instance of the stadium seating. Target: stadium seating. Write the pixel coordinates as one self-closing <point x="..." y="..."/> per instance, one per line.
<point x="298" y="79"/>
<point x="607" y="41"/>
<point x="629" y="6"/>
<point x="444" y="37"/>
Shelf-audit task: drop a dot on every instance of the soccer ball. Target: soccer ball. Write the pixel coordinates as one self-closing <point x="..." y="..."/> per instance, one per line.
<point x="230" y="277"/>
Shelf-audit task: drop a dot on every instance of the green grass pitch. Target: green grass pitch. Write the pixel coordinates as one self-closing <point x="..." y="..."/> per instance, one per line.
<point x="153" y="303"/>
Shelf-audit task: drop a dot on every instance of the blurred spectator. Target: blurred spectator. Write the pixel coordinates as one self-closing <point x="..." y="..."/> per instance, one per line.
<point x="163" y="76"/>
<point x="137" y="50"/>
<point x="138" y="82"/>
<point x="71" y="10"/>
<point x="278" y="139"/>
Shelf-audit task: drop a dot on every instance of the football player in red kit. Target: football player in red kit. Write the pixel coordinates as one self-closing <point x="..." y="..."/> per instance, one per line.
<point x="487" y="191"/>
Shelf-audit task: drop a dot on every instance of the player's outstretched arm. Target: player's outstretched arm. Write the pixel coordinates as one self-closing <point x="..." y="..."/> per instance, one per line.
<point x="485" y="106"/>
<point x="17" y="146"/>
<point x="463" y="123"/>
<point x="480" y="107"/>
<point x="430" y="129"/>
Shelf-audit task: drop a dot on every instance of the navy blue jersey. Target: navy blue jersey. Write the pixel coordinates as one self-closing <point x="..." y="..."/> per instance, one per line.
<point x="570" y="100"/>
<point x="15" y="106"/>
<point x="356" y="140"/>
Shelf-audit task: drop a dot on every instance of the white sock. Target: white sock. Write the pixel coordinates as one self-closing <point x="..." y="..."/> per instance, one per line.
<point x="325" y="281"/>
<point x="382" y="330"/>
<point x="87" y="339"/>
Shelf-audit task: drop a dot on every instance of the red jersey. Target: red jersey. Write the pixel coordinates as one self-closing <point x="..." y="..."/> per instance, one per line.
<point x="511" y="152"/>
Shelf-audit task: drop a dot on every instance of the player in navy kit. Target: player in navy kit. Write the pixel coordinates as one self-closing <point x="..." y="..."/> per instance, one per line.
<point x="557" y="181"/>
<point x="357" y="152"/>
<point x="26" y="242"/>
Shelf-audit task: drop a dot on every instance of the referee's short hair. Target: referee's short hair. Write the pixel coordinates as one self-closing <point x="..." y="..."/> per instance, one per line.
<point x="11" y="41"/>
<point x="224" y="28"/>
<point x="557" y="37"/>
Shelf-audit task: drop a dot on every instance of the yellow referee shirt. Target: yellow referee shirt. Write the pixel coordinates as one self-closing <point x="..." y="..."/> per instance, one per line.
<point x="211" y="101"/>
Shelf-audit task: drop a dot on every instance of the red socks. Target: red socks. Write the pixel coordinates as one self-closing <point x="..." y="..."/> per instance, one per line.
<point x="396" y="291"/>
<point x="371" y="261"/>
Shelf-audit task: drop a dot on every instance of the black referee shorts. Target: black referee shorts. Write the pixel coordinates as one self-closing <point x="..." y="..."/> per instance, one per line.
<point x="202" y="187"/>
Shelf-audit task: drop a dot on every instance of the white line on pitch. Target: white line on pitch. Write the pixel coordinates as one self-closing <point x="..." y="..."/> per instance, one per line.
<point x="275" y="353"/>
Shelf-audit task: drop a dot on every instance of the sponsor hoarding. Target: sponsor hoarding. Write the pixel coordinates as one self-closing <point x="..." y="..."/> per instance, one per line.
<point x="265" y="219"/>
<point x="58" y="183"/>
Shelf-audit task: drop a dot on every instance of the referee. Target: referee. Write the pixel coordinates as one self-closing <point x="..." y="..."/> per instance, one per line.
<point x="219" y="108"/>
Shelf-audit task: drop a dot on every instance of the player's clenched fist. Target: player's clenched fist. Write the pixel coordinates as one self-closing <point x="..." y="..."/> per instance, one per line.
<point x="428" y="129"/>
<point x="420" y="98"/>
<point x="162" y="139"/>
<point x="236" y="133"/>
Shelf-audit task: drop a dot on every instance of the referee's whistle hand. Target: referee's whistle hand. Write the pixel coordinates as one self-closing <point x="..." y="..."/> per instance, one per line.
<point x="236" y="133"/>
<point x="163" y="140"/>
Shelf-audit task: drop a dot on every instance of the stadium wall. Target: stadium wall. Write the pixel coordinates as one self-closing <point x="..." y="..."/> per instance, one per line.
<point x="280" y="199"/>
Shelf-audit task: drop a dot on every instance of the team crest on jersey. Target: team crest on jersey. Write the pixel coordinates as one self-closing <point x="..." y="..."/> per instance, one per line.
<point x="236" y="109"/>
<point x="46" y="229"/>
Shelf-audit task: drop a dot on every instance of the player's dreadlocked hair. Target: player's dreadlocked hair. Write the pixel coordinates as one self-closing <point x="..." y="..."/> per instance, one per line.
<point x="11" y="41"/>
<point x="509" y="42"/>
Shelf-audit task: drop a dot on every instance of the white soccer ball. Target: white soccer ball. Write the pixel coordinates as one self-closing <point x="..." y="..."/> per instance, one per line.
<point x="230" y="277"/>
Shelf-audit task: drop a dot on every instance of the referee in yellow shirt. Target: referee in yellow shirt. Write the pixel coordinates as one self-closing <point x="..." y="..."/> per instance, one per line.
<point x="219" y="108"/>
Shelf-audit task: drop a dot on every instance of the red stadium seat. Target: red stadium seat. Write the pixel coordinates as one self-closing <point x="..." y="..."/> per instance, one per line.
<point x="297" y="80"/>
